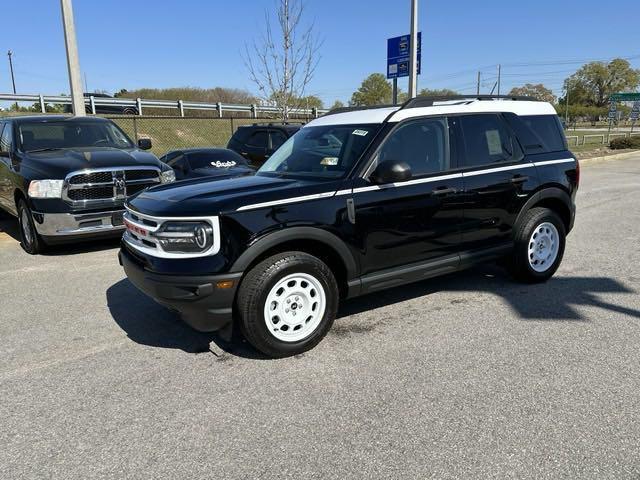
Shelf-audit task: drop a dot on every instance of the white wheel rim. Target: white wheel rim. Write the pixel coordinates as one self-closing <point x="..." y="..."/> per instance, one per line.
<point x="295" y="307"/>
<point x="26" y="228"/>
<point x="544" y="245"/>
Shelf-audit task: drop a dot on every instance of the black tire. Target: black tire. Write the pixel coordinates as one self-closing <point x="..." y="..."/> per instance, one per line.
<point x="519" y="263"/>
<point x="255" y="288"/>
<point x="30" y="240"/>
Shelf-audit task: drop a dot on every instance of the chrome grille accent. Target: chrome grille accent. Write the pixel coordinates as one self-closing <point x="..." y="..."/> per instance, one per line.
<point x="107" y="186"/>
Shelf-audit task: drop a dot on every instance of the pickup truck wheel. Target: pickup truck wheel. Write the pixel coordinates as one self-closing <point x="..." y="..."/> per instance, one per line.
<point x="539" y="246"/>
<point x="30" y="241"/>
<point x="287" y="304"/>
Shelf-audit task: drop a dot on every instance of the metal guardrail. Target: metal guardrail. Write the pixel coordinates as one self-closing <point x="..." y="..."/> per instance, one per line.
<point x="139" y="104"/>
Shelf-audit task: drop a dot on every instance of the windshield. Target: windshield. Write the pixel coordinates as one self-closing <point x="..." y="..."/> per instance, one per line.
<point x="65" y="134"/>
<point x="215" y="159"/>
<point x="326" y="151"/>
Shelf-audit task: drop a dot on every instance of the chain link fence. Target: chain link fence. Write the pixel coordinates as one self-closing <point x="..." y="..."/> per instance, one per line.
<point x="170" y="133"/>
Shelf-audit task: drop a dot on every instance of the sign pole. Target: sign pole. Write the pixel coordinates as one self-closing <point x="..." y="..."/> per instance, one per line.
<point x="395" y="91"/>
<point x="413" y="61"/>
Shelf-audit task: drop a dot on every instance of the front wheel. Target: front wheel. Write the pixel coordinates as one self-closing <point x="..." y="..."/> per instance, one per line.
<point x="287" y="304"/>
<point x="30" y="241"/>
<point x="539" y="246"/>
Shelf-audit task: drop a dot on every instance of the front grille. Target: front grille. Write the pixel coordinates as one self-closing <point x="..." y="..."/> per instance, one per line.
<point x="108" y="186"/>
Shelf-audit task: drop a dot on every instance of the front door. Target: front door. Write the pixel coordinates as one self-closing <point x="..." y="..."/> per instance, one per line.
<point x="497" y="180"/>
<point x="417" y="220"/>
<point x="6" y="193"/>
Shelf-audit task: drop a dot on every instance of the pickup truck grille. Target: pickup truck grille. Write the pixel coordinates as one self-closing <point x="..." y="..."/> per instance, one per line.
<point x="108" y="186"/>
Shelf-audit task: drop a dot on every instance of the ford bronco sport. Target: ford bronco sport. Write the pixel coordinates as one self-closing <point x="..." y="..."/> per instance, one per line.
<point x="357" y="201"/>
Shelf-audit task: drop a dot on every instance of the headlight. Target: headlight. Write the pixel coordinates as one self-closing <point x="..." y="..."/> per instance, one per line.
<point x="168" y="176"/>
<point x="185" y="237"/>
<point x="45" y="188"/>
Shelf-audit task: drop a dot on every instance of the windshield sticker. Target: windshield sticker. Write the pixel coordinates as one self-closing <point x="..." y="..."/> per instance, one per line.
<point x="329" y="161"/>
<point x="219" y="164"/>
<point x="361" y="133"/>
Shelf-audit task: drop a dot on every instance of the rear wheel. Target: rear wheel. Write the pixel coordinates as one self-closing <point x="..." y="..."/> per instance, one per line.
<point x="30" y="241"/>
<point x="539" y="246"/>
<point x="287" y="303"/>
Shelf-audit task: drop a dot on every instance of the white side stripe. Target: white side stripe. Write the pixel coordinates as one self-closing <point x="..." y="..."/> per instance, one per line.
<point x="401" y="184"/>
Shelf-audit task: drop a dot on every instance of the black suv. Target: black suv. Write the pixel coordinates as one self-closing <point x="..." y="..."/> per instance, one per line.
<point x="66" y="178"/>
<point x="257" y="142"/>
<point x="357" y="201"/>
<point x="105" y="109"/>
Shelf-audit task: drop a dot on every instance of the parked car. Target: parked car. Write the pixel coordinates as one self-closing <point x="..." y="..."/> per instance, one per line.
<point x="66" y="178"/>
<point x="105" y="109"/>
<point x="257" y="142"/>
<point x="356" y="202"/>
<point x="206" y="162"/>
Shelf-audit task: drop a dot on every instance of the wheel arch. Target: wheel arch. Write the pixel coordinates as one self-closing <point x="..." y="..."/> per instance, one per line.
<point x="554" y="199"/>
<point x="315" y="241"/>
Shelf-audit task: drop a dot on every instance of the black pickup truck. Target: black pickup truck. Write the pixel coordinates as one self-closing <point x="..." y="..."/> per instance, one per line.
<point x="67" y="178"/>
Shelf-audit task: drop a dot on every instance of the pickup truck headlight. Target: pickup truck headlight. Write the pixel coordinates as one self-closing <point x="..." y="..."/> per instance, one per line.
<point x="185" y="237"/>
<point x="45" y="188"/>
<point x="168" y="176"/>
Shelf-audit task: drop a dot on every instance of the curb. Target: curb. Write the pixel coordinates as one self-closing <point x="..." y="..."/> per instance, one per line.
<point x="604" y="158"/>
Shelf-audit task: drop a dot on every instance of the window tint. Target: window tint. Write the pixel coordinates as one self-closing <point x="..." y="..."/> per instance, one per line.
<point x="547" y="131"/>
<point x="422" y="144"/>
<point x="215" y="159"/>
<point x="258" y="139"/>
<point x="5" y="140"/>
<point x="176" y="160"/>
<point x="277" y="139"/>
<point x="487" y="140"/>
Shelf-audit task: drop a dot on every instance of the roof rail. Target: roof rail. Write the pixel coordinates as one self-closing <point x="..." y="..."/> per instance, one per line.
<point x="428" y="101"/>
<point x="355" y="109"/>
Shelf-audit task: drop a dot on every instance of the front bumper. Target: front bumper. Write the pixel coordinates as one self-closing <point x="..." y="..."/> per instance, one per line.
<point x="72" y="224"/>
<point x="199" y="300"/>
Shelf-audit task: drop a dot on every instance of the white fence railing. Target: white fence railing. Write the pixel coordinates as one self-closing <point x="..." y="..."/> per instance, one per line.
<point x="136" y="106"/>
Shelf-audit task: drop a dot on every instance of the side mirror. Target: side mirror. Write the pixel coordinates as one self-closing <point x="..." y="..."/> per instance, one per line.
<point x="144" y="143"/>
<point x="391" y="171"/>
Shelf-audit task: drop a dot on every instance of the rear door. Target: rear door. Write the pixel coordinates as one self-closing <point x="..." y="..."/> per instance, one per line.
<point x="413" y="221"/>
<point x="497" y="180"/>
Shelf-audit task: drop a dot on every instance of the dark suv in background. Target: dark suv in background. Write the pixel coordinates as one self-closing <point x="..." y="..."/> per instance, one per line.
<point x="257" y="142"/>
<point x="105" y="109"/>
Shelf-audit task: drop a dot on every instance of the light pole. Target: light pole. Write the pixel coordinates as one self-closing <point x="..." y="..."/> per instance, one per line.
<point x="75" y="80"/>
<point x="13" y="79"/>
<point x="566" y="105"/>
<point x="413" y="62"/>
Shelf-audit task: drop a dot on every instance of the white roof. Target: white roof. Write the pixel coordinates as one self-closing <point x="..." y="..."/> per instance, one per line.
<point x="378" y="115"/>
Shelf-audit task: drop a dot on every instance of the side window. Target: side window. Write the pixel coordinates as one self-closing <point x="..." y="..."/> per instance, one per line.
<point x="277" y="139"/>
<point x="176" y="161"/>
<point x="6" y="139"/>
<point x="423" y="144"/>
<point x="258" y="139"/>
<point x="487" y="140"/>
<point x="547" y="130"/>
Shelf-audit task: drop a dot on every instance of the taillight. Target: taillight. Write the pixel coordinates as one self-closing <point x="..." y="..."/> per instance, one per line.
<point x="577" y="173"/>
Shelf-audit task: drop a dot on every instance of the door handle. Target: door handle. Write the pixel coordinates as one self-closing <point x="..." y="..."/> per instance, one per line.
<point x="443" y="191"/>
<point x="519" y="179"/>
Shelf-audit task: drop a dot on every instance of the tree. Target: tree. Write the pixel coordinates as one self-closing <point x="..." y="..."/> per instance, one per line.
<point x="337" y="104"/>
<point x="442" y="92"/>
<point x="374" y="90"/>
<point x="282" y="64"/>
<point x="538" y="91"/>
<point x="594" y="82"/>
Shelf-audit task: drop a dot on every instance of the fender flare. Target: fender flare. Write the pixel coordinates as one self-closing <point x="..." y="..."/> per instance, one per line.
<point x="297" y="233"/>
<point x="546" y="193"/>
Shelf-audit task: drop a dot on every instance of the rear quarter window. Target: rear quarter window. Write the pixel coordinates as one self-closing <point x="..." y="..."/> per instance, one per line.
<point x="546" y="129"/>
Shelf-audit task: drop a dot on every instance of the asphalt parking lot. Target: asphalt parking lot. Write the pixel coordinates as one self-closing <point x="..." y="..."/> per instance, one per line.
<point x="466" y="376"/>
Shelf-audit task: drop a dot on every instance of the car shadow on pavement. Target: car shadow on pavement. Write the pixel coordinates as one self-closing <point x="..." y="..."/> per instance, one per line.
<point x="148" y="323"/>
<point x="9" y="226"/>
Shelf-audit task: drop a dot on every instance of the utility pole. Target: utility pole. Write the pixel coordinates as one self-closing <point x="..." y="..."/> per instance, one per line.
<point x="413" y="62"/>
<point x="499" y="73"/>
<point x="75" y="79"/>
<point x="566" y="107"/>
<point x="478" y="85"/>
<point x="13" y="79"/>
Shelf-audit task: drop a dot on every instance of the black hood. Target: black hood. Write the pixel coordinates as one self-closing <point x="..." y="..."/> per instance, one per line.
<point x="211" y="196"/>
<point x="57" y="164"/>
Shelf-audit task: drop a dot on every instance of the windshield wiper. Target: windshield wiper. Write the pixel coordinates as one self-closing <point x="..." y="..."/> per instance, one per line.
<point x="48" y="149"/>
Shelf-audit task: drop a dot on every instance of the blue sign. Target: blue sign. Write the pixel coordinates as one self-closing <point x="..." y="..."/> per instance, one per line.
<point x="399" y="55"/>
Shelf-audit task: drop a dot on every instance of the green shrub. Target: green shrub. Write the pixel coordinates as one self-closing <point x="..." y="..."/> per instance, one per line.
<point x="625" y="142"/>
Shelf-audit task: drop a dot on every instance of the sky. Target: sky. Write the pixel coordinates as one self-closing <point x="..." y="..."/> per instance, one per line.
<point x="172" y="43"/>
